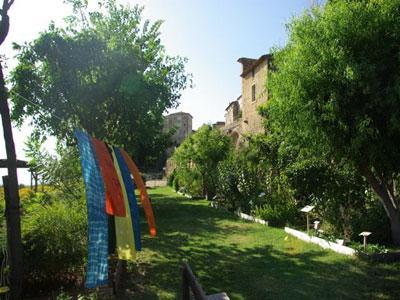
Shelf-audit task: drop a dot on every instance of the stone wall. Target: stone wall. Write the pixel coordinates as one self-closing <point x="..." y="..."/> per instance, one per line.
<point x="182" y="122"/>
<point x="252" y="121"/>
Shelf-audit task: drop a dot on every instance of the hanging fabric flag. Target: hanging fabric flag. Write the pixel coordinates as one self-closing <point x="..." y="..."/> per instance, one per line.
<point x="123" y="225"/>
<point x="130" y="191"/>
<point x="114" y="199"/>
<point x="144" y="197"/>
<point x="97" y="265"/>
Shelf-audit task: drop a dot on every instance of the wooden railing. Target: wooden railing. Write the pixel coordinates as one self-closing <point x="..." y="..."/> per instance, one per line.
<point x="190" y="283"/>
<point x="191" y="286"/>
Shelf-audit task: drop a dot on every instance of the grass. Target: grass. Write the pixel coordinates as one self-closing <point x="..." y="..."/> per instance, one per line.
<point x="246" y="260"/>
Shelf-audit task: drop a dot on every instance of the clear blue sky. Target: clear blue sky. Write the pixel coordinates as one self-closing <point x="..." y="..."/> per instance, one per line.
<point x="212" y="34"/>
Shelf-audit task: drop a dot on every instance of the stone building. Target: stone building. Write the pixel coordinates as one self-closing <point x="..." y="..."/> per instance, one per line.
<point x="182" y="123"/>
<point x="218" y="125"/>
<point x="241" y="115"/>
<point x="233" y="120"/>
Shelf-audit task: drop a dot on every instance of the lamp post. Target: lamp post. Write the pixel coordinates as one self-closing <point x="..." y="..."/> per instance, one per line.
<point x="306" y="210"/>
<point x="365" y="234"/>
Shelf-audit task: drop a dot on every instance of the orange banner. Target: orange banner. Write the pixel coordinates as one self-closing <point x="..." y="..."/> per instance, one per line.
<point x="144" y="197"/>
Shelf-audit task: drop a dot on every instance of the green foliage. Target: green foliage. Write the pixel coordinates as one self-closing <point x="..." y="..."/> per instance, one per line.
<point x="36" y="156"/>
<point x="279" y="214"/>
<point x="338" y="78"/>
<point x="249" y="180"/>
<point x="334" y="96"/>
<point x="61" y="171"/>
<point x="197" y="159"/>
<point x="228" y="180"/>
<point x="175" y="184"/>
<point x="336" y="189"/>
<point x="170" y="179"/>
<point x="370" y="249"/>
<point x="55" y="240"/>
<point x="107" y="72"/>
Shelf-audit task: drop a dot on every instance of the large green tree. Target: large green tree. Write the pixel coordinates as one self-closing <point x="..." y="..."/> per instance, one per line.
<point x="106" y="71"/>
<point x="198" y="156"/>
<point x="336" y="91"/>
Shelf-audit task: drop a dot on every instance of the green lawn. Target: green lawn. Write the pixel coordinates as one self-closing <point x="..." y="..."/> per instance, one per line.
<point x="247" y="260"/>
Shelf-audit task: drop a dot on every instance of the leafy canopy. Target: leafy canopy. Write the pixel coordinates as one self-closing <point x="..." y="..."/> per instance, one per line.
<point x="337" y="81"/>
<point x="335" y="92"/>
<point x="198" y="156"/>
<point x="107" y="72"/>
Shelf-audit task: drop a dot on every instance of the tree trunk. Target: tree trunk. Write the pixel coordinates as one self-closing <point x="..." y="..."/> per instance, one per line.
<point x="36" y="183"/>
<point x="346" y="224"/>
<point x="388" y="200"/>
<point x="13" y="209"/>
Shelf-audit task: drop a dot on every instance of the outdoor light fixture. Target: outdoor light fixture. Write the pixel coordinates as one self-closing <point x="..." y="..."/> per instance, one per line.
<point x="364" y="234"/>
<point x="316" y="225"/>
<point x="307" y="209"/>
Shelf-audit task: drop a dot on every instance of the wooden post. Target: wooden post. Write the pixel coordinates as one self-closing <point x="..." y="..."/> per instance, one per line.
<point x="120" y="273"/>
<point x="13" y="214"/>
<point x="190" y="283"/>
<point x="185" y="285"/>
<point x="308" y="224"/>
<point x="14" y="242"/>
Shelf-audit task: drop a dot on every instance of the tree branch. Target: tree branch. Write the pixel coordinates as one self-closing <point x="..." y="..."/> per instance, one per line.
<point x="380" y="189"/>
<point x="5" y="20"/>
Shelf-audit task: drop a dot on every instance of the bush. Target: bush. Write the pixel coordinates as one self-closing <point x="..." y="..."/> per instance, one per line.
<point x="197" y="159"/>
<point x="55" y="243"/>
<point x="279" y="206"/>
<point x="372" y="217"/>
<point x="239" y="183"/>
<point x="228" y="193"/>
<point x="170" y="179"/>
<point x="175" y="184"/>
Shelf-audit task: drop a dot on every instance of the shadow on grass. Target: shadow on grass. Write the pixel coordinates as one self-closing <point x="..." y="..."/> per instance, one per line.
<point x="192" y="231"/>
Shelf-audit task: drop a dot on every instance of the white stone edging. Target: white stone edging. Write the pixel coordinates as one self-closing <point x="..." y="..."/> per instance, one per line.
<point x="321" y="242"/>
<point x="251" y="218"/>
<point x="214" y="204"/>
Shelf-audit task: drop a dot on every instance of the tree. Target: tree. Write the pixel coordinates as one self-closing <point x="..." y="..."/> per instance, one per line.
<point x="198" y="156"/>
<point x="335" y="91"/>
<point x="37" y="157"/>
<point x="61" y="171"/>
<point x="107" y="72"/>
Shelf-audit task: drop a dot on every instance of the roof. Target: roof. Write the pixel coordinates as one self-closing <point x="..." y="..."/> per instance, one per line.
<point x="250" y="64"/>
<point x="232" y="103"/>
<point x="179" y="113"/>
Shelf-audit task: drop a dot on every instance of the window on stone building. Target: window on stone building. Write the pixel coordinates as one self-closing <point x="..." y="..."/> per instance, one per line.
<point x="253" y="92"/>
<point x="252" y="73"/>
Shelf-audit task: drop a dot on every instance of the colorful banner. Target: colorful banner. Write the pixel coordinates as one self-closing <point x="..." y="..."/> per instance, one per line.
<point x="123" y="225"/>
<point x="130" y="191"/>
<point x="97" y="265"/>
<point x="114" y="198"/>
<point x="144" y="197"/>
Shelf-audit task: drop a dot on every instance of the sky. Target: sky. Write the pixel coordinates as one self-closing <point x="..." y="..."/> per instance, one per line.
<point x="211" y="34"/>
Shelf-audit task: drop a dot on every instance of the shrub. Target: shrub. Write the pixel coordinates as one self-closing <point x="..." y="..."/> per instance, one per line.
<point x="197" y="159"/>
<point x="229" y="195"/>
<point x="55" y="240"/>
<point x="279" y="206"/>
<point x="175" y="184"/>
<point x="170" y="179"/>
